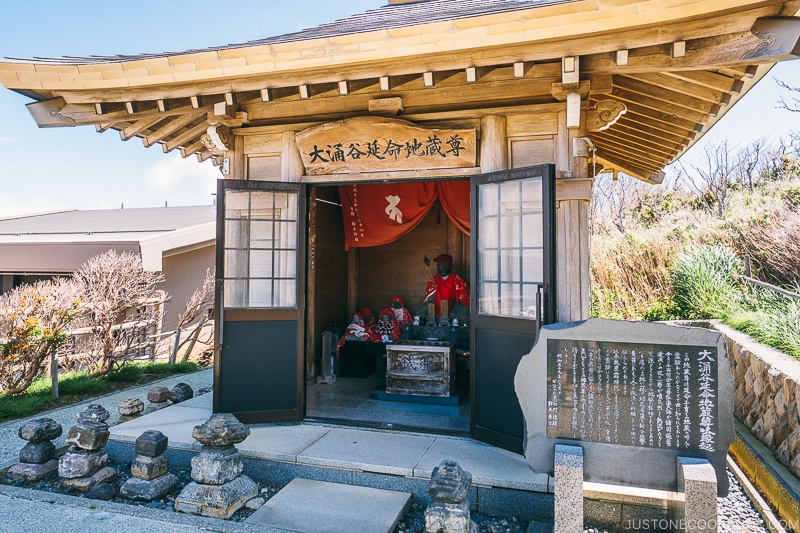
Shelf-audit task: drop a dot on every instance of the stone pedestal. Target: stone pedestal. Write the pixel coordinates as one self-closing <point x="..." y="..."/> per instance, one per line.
<point x="568" y="496"/>
<point x="33" y="472"/>
<point x="219" y="489"/>
<point x="697" y="481"/>
<point x="150" y="470"/>
<point x="81" y="463"/>
<point x="449" y="511"/>
<point x="37" y="456"/>
<point x="216" y="501"/>
<point x="217" y="465"/>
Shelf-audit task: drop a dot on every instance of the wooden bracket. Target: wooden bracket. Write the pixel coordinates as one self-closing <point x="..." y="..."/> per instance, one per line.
<point x="604" y="115"/>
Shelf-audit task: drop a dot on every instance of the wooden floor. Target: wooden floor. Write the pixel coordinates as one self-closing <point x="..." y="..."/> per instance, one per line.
<point x="349" y="400"/>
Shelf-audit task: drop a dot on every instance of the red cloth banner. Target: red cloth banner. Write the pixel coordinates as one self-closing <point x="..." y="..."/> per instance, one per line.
<point x="454" y="196"/>
<point x="379" y="213"/>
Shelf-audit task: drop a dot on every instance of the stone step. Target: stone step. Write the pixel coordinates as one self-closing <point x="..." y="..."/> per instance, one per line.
<point x="321" y="507"/>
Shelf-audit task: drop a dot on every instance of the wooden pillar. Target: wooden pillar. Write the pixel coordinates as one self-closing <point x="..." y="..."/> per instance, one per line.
<point x="292" y="168"/>
<point x="494" y="144"/>
<point x="572" y="229"/>
<point x="236" y="160"/>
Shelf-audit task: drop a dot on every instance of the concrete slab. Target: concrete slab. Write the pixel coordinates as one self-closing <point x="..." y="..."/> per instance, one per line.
<point x="176" y="422"/>
<point x="321" y="507"/>
<point x="280" y="443"/>
<point x="488" y="465"/>
<point x="370" y="451"/>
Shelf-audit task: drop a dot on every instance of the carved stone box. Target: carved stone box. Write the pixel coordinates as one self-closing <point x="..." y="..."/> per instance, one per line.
<point x="425" y="368"/>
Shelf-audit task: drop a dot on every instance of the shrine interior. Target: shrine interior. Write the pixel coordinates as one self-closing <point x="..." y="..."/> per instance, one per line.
<point x="343" y="282"/>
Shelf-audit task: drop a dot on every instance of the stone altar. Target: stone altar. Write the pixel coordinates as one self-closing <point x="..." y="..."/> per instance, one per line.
<point x="425" y="368"/>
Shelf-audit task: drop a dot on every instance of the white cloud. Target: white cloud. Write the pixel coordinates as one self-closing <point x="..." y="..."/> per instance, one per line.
<point x="173" y="172"/>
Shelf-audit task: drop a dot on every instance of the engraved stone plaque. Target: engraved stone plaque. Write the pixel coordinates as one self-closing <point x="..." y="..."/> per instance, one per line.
<point x="633" y="395"/>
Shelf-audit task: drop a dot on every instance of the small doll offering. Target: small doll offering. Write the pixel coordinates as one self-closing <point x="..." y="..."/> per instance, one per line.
<point x="356" y="331"/>
<point x="387" y="327"/>
<point x="401" y="314"/>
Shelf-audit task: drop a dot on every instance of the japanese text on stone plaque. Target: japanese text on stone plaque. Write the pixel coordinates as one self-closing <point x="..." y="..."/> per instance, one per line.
<point x="655" y="396"/>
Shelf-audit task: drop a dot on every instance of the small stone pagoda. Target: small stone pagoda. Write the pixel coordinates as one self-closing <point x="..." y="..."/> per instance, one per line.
<point x="37" y="456"/>
<point x="150" y="470"/>
<point x="84" y="465"/>
<point x="219" y="488"/>
<point x="448" y="511"/>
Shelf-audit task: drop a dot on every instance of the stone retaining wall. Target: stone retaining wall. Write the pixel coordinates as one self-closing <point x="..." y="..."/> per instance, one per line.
<point x="765" y="399"/>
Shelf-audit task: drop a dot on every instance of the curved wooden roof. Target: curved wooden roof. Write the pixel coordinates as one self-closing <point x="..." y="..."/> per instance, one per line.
<point x="677" y="65"/>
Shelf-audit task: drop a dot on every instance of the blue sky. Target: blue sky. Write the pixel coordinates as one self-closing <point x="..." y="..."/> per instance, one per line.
<point x="57" y="168"/>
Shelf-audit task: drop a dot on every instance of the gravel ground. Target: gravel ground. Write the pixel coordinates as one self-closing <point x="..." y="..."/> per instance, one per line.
<point x="736" y="513"/>
<point x="10" y="443"/>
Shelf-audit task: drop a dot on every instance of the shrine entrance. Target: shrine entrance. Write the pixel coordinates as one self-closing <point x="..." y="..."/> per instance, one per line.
<point x="507" y="259"/>
<point x="343" y="282"/>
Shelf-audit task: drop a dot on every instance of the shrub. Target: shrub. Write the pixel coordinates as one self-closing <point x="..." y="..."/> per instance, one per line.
<point x="704" y="279"/>
<point x="33" y="321"/>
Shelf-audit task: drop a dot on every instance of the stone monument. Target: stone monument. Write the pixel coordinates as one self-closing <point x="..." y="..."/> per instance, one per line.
<point x="634" y="396"/>
<point x="37" y="456"/>
<point x="448" y="511"/>
<point x="150" y="470"/>
<point x="219" y="489"/>
<point x="84" y="464"/>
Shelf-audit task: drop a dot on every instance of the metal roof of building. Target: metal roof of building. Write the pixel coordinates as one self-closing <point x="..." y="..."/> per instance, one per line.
<point x="382" y="18"/>
<point x="105" y="224"/>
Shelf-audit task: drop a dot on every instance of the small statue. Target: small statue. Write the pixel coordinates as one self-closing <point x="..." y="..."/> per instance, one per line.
<point x="387" y="327"/>
<point x="446" y="294"/>
<point x="401" y="314"/>
<point x="356" y="331"/>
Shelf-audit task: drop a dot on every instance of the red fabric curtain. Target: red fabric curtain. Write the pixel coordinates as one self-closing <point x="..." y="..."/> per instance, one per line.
<point x="455" y="199"/>
<point x="376" y="214"/>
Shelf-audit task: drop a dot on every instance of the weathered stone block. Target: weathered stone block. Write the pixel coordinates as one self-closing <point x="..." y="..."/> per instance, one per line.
<point x="222" y="429"/>
<point x="158" y="394"/>
<point x="149" y="468"/>
<point x="102" y="491"/>
<point x="151" y="443"/>
<point x="449" y="483"/>
<point x="146" y="490"/>
<point x="131" y="406"/>
<point x="33" y="472"/>
<point x="37" y="452"/>
<point x="40" y="430"/>
<point x="217" y="501"/>
<point x="81" y="463"/>
<point x="449" y="517"/>
<point x="217" y="465"/>
<point x="104" y="475"/>
<point x="181" y="392"/>
<point x="94" y="413"/>
<point x="88" y="435"/>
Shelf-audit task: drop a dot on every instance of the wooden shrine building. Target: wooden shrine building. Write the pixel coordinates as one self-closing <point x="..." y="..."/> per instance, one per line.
<point x="351" y="151"/>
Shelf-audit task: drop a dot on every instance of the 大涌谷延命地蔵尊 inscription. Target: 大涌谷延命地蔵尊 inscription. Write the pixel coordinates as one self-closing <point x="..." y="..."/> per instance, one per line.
<point x="656" y="396"/>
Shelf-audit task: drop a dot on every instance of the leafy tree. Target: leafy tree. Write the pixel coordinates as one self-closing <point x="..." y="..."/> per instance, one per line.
<point x="117" y="292"/>
<point x="33" y="322"/>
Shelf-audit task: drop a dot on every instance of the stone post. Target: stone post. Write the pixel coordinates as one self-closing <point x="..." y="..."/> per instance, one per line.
<point x="568" y="496"/>
<point x="697" y="481"/>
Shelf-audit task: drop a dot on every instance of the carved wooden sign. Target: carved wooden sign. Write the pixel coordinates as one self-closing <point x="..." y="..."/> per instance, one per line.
<point x="374" y="144"/>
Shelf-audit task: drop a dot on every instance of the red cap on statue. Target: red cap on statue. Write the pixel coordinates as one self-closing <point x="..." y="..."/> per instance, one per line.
<point x="443" y="258"/>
